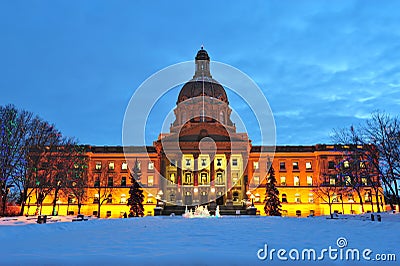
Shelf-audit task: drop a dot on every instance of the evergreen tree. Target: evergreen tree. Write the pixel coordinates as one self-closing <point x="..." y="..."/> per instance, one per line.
<point x="272" y="204"/>
<point x="136" y="196"/>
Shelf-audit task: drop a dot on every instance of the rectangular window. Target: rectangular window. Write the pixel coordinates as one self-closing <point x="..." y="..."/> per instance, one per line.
<point x="296" y="181"/>
<point x="235" y="178"/>
<point x="150" y="181"/>
<point x="255" y="165"/>
<point x="203" y="162"/>
<point x="282" y="166"/>
<point x="347" y="180"/>
<point x="188" y="162"/>
<point x="203" y="178"/>
<point x="150" y="166"/>
<point x="346" y="164"/>
<point x="308" y="166"/>
<point x="311" y="198"/>
<point x="110" y="181"/>
<point x="97" y="182"/>
<point x="96" y="198"/>
<point x="108" y="214"/>
<point x="111" y="166"/>
<point x="364" y="181"/>
<point x="172" y="163"/>
<point x="188" y="179"/>
<point x="283" y="180"/>
<point x="234" y="162"/>
<point x="220" y="179"/>
<point x="98" y="166"/>
<point x="295" y="165"/>
<point x="309" y="181"/>
<point x="256" y="180"/>
<point x="123" y="181"/>
<point x="332" y="180"/>
<point x="219" y="162"/>
<point x="124" y="166"/>
<point x="362" y="165"/>
<point x="331" y="165"/>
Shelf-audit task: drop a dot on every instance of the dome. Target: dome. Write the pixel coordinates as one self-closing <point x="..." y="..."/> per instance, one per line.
<point x="202" y="55"/>
<point x="202" y="82"/>
<point x="194" y="88"/>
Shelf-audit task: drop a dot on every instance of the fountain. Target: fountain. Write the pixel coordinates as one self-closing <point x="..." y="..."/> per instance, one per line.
<point x="200" y="212"/>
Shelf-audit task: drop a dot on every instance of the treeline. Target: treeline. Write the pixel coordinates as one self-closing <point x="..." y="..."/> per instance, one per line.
<point x="36" y="158"/>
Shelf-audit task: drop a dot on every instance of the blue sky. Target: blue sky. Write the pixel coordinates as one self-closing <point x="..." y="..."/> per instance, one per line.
<point x="321" y="64"/>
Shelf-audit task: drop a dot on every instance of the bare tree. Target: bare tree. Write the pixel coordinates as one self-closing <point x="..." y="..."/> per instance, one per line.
<point x="103" y="185"/>
<point x="327" y="191"/>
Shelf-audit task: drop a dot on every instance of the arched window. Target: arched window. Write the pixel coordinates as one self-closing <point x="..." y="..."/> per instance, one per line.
<point x="222" y="117"/>
<point x="284" y="198"/>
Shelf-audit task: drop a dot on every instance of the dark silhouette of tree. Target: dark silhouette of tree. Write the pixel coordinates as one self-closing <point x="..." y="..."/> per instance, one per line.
<point x="136" y="196"/>
<point x="272" y="204"/>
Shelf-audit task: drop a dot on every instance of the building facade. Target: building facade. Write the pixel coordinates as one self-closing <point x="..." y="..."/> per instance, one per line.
<point x="203" y="160"/>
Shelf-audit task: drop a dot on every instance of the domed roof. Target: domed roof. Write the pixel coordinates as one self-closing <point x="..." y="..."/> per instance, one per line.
<point x="194" y="88"/>
<point x="202" y="55"/>
<point x="202" y="82"/>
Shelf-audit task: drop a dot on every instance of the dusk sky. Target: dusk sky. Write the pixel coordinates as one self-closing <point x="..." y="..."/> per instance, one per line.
<point x="320" y="64"/>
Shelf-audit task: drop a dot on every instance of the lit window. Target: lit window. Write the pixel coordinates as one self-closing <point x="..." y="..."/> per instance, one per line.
<point x="296" y="181"/>
<point x="96" y="198"/>
<point x="150" y="181"/>
<point x="235" y="178"/>
<point x="334" y="198"/>
<point x="123" y="199"/>
<point x="234" y="162"/>
<point x="98" y="165"/>
<point x="188" y="179"/>
<point x="256" y="180"/>
<point x="311" y="198"/>
<point x="172" y="177"/>
<point x="150" y="166"/>
<point x="364" y="181"/>
<point x="309" y="181"/>
<point x="124" y="166"/>
<point x="297" y="198"/>
<point x="308" y="166"/>
<point x="188" y="162"/>
<point x="220" y="179"/>
<point x="203" y="178"/>
<point x="255" y="165"/>
<point x="350" y="197"/>
<point x="283" y="180"/>
<point x="347" y="180"/>
<point x="111" y="166"/>
<point x="295" y="165"/>
<point x="282" y="166"/>
<point x="332" y="180"/>
<point x="346" y="164"/>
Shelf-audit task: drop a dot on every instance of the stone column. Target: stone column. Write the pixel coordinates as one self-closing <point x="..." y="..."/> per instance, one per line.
<point x="179" y="179"/>
<point x="228" y="176"/>
<point x="196" y="169"/>
<point x="212" y="174"/>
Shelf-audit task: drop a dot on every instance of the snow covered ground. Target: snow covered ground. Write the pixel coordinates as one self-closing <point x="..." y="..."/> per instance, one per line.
<point x="179" y="241"/>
